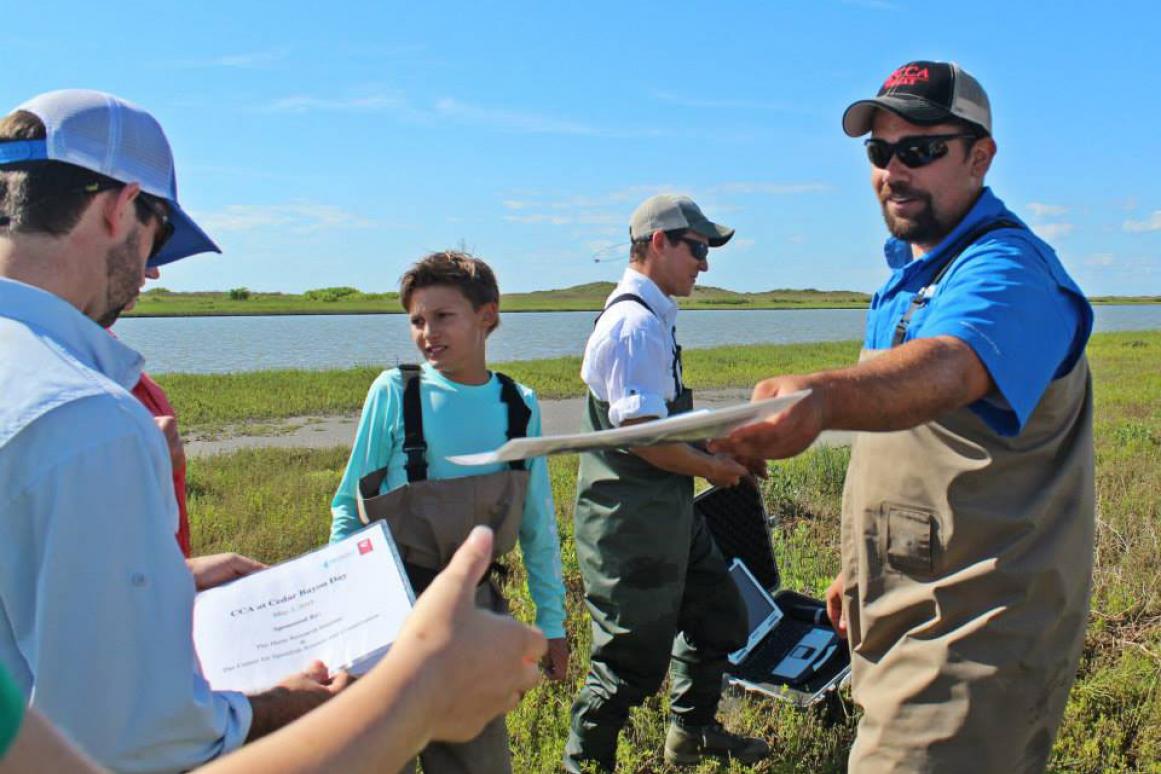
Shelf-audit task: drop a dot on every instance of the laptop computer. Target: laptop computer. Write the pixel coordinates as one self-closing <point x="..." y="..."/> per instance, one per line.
<point x="791" y="648"/>
<point x="792" y="653"/>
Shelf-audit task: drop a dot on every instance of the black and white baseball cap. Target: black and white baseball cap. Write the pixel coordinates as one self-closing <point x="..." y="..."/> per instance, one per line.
<point x="924" y="93"/>
<point x="115" y="138"/>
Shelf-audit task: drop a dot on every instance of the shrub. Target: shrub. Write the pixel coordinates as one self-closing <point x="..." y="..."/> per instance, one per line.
<point x="331" y="295"/>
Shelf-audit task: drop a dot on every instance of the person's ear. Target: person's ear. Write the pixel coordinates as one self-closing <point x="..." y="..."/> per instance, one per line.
<point x="658" y="241"/>
<point x="982" y="153"/>
<point x="489" y="316"/>
<point x="116" y="207"/>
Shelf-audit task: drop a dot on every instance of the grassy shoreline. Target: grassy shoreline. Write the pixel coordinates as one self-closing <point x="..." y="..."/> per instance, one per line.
<point x="273" y="504"/>
<point x="242" y="302"/>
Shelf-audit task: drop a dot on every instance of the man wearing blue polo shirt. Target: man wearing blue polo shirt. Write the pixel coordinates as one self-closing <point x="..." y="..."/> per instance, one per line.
<point x="967" y="525"/>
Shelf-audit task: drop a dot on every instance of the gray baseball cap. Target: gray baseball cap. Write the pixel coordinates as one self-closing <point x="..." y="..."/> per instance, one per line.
<point x="924" y="93"/>
<point x="669" y="212"/>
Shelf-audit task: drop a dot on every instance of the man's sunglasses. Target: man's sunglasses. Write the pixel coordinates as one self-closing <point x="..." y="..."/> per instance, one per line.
<point x="147" y="206"/>
<point x="164" y="227"/>
<point x="699" y="250"/>
<point x="913" y="152"/>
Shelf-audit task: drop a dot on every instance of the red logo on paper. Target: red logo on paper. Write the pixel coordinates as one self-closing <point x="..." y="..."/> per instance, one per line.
<point x="908" y="75"/>
<point x="365" y="547"/>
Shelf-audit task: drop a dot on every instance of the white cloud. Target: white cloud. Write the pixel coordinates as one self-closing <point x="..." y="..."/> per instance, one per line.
<point x="444" y="109"/>
<point x="300" y="218"/>
<point x="1099" y="259"/>
<point x="305" y="104"/>
<point x="579" y="218"/>
<point x="531" y="123"/>
<point x="614" y="207"/>
<point x="1152" y="223"/>
<point x="250" y="60"/>
<point x="1041" y="210"/>
<point x="776" y="189"/>
<point x="722" y="104"/>
<point x="740" y="244"/>
<point x="1050" y="231"/>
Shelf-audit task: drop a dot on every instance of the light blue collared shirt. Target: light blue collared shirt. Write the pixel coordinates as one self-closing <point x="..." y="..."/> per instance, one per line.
<point x="95" y="598"/>
<point x="457" y="419"/>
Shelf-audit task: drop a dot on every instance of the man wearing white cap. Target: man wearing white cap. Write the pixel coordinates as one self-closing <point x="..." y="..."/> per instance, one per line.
<point x="95" y="597"/>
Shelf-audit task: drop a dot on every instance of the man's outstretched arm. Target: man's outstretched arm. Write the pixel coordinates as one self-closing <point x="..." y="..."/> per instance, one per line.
<point x="902" y="388"/>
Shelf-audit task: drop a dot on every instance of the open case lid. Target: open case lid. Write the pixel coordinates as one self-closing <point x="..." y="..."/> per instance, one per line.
<point x="737" y="520"/>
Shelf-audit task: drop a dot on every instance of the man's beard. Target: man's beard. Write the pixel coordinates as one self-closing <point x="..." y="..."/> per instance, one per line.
<point x="122" y="277"/>
<point x="923" y="228"/>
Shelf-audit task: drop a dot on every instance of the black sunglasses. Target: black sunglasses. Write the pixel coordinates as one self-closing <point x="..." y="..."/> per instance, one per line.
<point x="913" y="152"/>
<point x="699" y="250"/>
<point x="164" y="227"/>
<point x="146" y="205"/>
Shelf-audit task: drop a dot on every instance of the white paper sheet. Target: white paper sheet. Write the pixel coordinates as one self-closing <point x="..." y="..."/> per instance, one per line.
<point x="692" y="426"/>
<point x="342" y="604"/>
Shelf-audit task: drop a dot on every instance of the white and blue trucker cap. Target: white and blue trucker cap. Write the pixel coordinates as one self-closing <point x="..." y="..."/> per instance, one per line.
<point x="106" y="134"/>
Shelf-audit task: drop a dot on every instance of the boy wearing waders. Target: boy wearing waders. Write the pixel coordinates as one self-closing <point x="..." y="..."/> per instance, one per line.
<point x="413" y="419"/>
<point x="655" y="583"/>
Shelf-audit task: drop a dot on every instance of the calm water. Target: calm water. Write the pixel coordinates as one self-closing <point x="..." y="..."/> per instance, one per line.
<point x="219" y="344"/>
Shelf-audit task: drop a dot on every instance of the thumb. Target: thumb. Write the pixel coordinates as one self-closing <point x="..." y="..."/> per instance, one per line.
<point x="469" y="563"/>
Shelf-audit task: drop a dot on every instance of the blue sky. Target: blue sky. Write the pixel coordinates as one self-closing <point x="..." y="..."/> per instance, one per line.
<point x="334" y="144"/>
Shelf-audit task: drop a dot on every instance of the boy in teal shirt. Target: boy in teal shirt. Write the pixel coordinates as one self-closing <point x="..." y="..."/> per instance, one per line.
<point x="458" y="407"/>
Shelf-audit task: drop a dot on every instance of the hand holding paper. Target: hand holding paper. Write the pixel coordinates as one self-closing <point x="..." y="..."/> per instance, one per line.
<point x="693" y="426"/>
<point x="783" y="433"/>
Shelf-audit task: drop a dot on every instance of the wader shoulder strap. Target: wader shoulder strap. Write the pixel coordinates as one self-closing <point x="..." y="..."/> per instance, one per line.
<point x="518" y="413"/>
<point x="676" y="366"/>
<point x="927" y="291"/>
<point x="414" y="445"/>
<point x="624" y="297"/>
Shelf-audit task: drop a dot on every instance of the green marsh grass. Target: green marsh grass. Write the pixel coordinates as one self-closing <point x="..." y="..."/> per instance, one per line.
<point x="160" y="302"/>
<point x="206" y="401"/>
<point x="274" y="504"/>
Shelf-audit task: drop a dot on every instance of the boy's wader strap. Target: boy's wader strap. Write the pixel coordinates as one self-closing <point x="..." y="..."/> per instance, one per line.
<point x="927" y="291"/>
<point x="518" y="414"/>
<point x="677" y="368"/>
<point x="414" y="445"/>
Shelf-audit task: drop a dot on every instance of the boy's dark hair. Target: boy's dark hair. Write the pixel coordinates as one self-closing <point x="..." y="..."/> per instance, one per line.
<point x="46" y="197"/>
<point x="456" y="269"/>
<point x="639" y="248"/>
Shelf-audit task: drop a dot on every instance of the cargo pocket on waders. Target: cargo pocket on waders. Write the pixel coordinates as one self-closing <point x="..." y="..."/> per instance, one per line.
<point x="912" y="539"/>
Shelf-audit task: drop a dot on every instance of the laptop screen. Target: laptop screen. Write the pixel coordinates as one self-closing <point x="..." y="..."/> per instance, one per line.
<point x="761" y="613"/>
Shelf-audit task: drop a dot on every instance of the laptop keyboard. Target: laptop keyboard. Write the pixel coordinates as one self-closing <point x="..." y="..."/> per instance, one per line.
<point x="770" y="652"/>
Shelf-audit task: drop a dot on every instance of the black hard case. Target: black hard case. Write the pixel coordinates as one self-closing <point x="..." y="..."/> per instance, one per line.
<point x="737" y="519"/>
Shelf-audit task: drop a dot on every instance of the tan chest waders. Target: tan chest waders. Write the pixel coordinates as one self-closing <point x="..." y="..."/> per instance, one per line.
<point x="967" y="560"/>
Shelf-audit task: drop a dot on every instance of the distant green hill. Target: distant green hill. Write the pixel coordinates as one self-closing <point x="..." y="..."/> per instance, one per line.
<point x="159" y="302"/>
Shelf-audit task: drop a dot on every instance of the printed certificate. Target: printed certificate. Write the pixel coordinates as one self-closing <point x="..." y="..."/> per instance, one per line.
<point x="342" y="604"/>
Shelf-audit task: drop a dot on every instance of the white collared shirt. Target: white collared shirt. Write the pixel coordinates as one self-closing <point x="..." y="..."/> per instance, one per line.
<point x="630" y="356"/>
